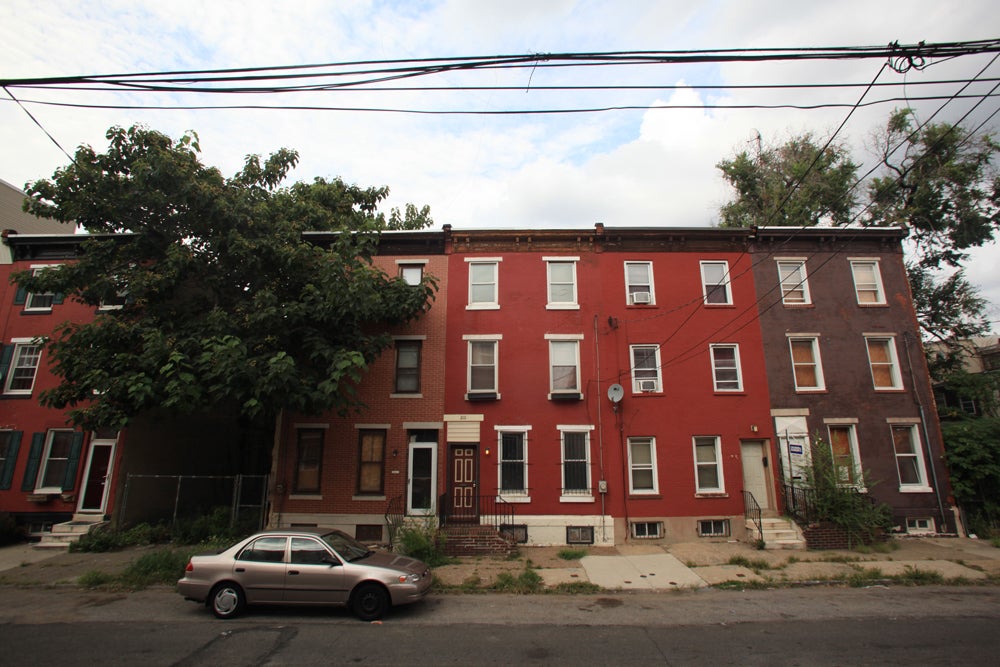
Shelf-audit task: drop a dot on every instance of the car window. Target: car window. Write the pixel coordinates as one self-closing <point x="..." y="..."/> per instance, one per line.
<point x="346" y="546"/>
<point x="307" y="551"/>
<point x="265" y="550"/>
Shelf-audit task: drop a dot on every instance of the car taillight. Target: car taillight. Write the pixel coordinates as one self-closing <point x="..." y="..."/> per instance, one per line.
<point x="189" y="567"/>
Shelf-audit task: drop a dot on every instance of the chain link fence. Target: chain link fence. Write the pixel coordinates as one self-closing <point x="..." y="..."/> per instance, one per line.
<point x="169" y="499"/>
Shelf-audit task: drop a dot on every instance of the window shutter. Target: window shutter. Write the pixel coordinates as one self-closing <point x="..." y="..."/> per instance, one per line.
<point x="58" y="298"/>
<point x="34" y="459"/>
<point x="74" y="461"/>
<point x="20" y="296"/>
<point x="5" y="356"/>
<point x="7" y="473"/>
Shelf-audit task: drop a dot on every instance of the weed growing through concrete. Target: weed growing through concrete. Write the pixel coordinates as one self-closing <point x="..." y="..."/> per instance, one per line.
<point x="572" y="554"/>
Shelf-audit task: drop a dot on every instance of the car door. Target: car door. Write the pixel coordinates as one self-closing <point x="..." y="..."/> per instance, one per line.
<point x="260" y="569"/>
<point x="314" y="575"/>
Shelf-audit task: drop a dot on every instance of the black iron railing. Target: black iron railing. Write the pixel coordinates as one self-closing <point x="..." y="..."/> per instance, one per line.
<point x="751" y="512"/>
<point x="395" y="514"/>
<point x="484" y="510"/>
<point x="801" y="504"/>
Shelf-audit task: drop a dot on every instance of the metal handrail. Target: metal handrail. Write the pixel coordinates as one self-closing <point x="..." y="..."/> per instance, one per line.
<point x="485" y="510"/>
<point x="752" y="512"/>
<point x="394" y="517"/>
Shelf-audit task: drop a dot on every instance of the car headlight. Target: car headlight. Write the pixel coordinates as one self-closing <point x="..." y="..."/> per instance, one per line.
<point x="409" y="578"/>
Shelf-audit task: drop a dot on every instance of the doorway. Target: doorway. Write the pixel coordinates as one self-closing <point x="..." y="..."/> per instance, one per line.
<point x="421" y="475"/>
<point x="464" y="483"/>
<point x="756" y="472"/>
<point x="97" y="476"/>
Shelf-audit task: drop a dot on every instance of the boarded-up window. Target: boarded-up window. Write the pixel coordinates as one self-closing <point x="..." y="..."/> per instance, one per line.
<point x="843" y="456"/>
<point x="370" y="461"/>
<point x="309" y="461"/>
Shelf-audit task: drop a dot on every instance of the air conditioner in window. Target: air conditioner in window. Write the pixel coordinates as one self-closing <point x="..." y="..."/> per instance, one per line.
<point x="641" y="297"/>
<point x="647" y="385"/>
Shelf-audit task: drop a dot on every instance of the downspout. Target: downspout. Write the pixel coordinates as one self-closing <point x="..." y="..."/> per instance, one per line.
<point x="600" y="428"/>
<point x="923" y="427"/>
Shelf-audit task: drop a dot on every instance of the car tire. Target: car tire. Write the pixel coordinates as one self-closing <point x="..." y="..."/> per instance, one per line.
<point x="227" y="600"/>
<point x="369" y="602"/>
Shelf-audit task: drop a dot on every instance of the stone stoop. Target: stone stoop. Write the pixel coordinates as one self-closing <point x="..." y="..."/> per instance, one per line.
<point x="64" y="534"/>
<point x="779" y="533"/>
<point x="475" y="540"/>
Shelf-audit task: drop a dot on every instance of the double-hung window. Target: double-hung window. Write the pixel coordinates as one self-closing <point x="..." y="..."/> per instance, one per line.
<point x="792" y="278"/>
<point x="909" y="458"/>
<point x="513" y="461"/>
<point x="639" y="284"/>
<point x="807" y="369"/>
<point x="371" y="461"/>
<point x="642" y="465"/>
<point x="715" y="283"/>
<point x="482" y="375"/>
<point x="561" y="282"/>
<point x="708" y="464"/>
<point x="883" y="362"/>
<point x="40" y="302"/>
<point x="564" y="367"/>
<point x="54" y="471"/>
<point x="308" y="460"/>
<point x="576" y="462"/>
<point x="645" y="368"/>
<point x="726" y="374"/>
<point x="408" y="366"/>
<point x="867" y="282"/>
<point x="844" y="450"/>
<point x="20" y="361"/>
<point x="483" y="284"/>
<point x="412" y="272"/>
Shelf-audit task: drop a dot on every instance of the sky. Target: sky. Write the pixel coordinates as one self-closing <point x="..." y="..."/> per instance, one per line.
<point x="637" y="167"/>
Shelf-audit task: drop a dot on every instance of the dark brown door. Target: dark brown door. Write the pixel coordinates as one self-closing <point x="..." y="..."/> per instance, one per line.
<point x="464" y="486"/>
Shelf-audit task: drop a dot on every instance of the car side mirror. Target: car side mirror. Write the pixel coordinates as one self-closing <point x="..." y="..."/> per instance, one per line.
<point x="331" y="561"/>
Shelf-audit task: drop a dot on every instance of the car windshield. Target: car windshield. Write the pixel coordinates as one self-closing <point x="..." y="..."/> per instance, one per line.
<point x="346" y="546"/>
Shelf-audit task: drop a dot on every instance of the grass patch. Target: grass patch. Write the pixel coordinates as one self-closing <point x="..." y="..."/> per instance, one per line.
<point x="862" y="577"/>
<point x="913" y="577"/>
<point x="576" y="588"/>
<point x="571" y="554"/>
<point x="754" y="564"/>
<point x="744" y="585"/>
<point x="840" y="558"/>
<point x="995" y="541"/>
<point x="96" y="579"/>
<point x="877" y="547"/>
<point x="525" y="583"/>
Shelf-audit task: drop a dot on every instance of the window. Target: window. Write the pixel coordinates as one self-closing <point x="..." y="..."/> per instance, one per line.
<point x="576" y="463"/>
<point x="922" y="525"/>
<point x="867" y="282"/>
<point x="726" y="367"/>
<point x="10" y="443"/>
<point x="647" y="529"/>
<point x="792" y="278"/>
<point x="642" y="465"/>
<point x="513" y="463"/>
<point x="307" y="551"/>
<point x="843" y="448"/>
<point x="564" y="368"/>
<point x="412" y="274"/>
<point x="309" y="459"/>
<point x="645" y="368"/>
<point x="483" y="284"/>
<point x="371" y="456"/>
<point x="482" y="368"/>
<point x="41" y="301"/>
<point x="579" y="534"/>
<point x="806" y="366"/>
<point x="265" y="550"/>
<point x="882" y="359"/>
<point x="909" y="458"/>
<point x="561" y="278"/>
<point x="639" y="283"/>
<point x="55" y="462"/>
<point x="708" y="465"/>
<point x="23" y="362"/>
<point x="713" y="528"/>
<point x="715" y="283"/>
<point x="408" y="366"/>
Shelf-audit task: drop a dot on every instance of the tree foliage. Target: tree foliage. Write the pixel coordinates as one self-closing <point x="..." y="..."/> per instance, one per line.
<point x="794" y="183"/>
<point x="227" y="306"/>
<point x="973" y="455"/>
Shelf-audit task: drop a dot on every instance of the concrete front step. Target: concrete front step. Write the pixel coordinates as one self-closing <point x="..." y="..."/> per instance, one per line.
<point x="778" y="533"/>
<point x="64" y="534"/>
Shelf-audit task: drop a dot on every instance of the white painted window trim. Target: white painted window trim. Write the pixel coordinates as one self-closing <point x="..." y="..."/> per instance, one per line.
<point x="485" y="305"/>
<point x="736" y="359"/>
<point x="817" y="362"/>
<point x="512" y="496"/>
<point x="585" y="430"/>
<point x="725" y="284"/>
<point x="574" y="304"/>
<point x="651" y="441"/>
<point x="895" y="370"/>
<point x="718" y="465"/>
<point x="787" y="287"/>
<point x="632" y="368"/>
<point x="628" y="285"/>
<point x="875" y="263"/>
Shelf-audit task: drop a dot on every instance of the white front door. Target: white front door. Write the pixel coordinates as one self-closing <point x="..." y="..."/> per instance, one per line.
<point x="97" y="475"/>
<point x="755" y="476"/>
<point x="421" y="478"/>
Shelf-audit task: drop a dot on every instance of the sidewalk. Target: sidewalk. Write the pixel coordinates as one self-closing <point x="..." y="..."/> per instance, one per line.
<point x="630" y="567"/>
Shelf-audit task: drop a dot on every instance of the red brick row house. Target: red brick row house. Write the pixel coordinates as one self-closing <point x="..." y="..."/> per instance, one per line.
<point x="604" y="385"/>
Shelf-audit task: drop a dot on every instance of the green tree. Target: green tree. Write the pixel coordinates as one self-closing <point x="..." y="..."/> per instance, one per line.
<point x="794" y="183"/>
<point x="225" y="305"/>
<point x="973" y="455"/>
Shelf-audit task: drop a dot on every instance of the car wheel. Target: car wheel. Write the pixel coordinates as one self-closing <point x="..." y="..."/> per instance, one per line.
<point x="369" y="602"/>
<point x="227" y="600"/>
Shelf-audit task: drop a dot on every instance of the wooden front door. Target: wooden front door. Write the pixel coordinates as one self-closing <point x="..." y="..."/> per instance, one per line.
<point x="464" y="483"/>
<point x="756" y="479"/>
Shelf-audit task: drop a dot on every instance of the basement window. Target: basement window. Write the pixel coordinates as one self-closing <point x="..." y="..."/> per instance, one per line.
<point x="516" y="532"/>
<point x="713" y="528"/>
<point x="579" y="534"/>
<point x="647" y="530"/>
<point x="921" y="525"/>
<point x="368" y="533"/>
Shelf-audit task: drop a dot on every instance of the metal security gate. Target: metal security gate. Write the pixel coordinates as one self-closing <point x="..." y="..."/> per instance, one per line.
<point x="167" y="499"/>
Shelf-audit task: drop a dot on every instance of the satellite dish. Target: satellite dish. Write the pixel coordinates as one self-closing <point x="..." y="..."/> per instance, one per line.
<point x="615" y="393"/>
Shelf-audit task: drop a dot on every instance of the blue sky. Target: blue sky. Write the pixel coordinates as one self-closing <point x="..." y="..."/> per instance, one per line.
<point x="651" y="168"/>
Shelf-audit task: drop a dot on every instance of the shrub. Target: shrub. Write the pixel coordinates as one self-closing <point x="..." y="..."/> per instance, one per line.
<point x="572" y="554"/>
<point x="421" y="539"/>
<point x="527" y="582"/>
<point x="163" y="566"/>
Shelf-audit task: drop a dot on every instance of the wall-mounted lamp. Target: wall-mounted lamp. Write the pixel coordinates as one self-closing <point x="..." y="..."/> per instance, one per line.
<point x="753" y="428"/>
<point x="395" y="453"/>
<point x="487" y="451"/>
